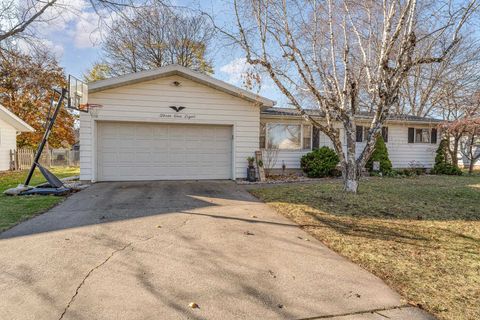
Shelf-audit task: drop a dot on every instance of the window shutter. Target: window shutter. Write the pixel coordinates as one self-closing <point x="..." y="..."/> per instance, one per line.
<point x="433" y="138"/>
<point x="385" y="134"/>
<point x="411" y="135"/>
<point x="316" y="138"/>
<point x="359" y="133"/>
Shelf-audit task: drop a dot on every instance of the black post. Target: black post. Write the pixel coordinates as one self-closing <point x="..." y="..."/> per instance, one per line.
<point x="45" y="135"/>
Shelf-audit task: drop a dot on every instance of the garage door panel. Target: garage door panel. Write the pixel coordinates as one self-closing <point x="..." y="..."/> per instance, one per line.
<point x="142" y="151"/>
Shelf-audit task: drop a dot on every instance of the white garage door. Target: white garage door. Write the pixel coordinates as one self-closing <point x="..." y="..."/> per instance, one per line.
<point x="144" y="151"/>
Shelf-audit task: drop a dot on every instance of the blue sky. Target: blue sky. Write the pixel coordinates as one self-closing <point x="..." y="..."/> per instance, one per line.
<point x="75" y="39"/>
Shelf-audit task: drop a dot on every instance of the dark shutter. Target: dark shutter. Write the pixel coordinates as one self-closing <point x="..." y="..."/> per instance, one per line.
<point x="359" y="133"/>
<point x="433" y="137"/>
<point x="315" y="138"/>
<point x="385" y="134"/>
<point x="411" y="135"/>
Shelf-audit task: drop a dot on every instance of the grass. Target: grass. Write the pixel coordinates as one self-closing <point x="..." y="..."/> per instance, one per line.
<point x="420" y="235"/>
<point x="14" y="210"/>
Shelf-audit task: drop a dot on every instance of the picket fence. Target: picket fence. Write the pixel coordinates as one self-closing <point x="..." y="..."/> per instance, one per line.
<point x="21" y="159"/>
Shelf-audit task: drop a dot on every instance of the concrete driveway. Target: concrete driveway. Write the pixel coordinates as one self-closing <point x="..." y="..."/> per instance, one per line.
<point x="145" y="250"/>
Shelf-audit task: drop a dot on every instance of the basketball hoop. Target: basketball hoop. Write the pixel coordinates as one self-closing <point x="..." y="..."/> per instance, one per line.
<point x="91" y="108"/>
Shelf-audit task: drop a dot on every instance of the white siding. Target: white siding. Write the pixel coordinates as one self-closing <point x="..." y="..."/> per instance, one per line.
<point x="144" y="102"/>
<point x="8" y="141"/>
<point x="400" y="151"/>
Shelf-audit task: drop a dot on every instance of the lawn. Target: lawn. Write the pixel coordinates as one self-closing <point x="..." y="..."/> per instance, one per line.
<point x="420" y="235"/>
<point x="16" y="209"/>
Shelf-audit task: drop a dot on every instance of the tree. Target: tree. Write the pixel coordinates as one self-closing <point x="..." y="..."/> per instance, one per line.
<point x="442" y="163"/>
<point x="470" y="147"/>
<point x="17" y="16"/>
<point x="155" y="36"/>
<point x="99" y="71"/>
<point x="380" y="154"/>
<point x="462" y="114"/>
<point x="26" y="89"/>
<point x="18" y="19"/>
<point x="342" y="57"/>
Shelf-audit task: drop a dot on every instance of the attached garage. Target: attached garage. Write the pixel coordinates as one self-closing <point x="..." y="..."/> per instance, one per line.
<point x="168" y="124"/>
<point x="153" y="151"/>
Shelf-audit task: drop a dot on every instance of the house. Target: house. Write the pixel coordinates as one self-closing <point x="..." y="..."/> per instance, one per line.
<point x="10" y="127"/>
<point x="174" y="123"/>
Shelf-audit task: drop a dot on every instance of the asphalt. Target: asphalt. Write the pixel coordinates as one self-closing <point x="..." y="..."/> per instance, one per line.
<point x="146" y="250"/>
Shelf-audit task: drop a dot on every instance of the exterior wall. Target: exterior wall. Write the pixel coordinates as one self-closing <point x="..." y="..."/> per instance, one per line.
<point x="400" y="151"/>
<point x="147" y="101"/>
<point x="8" y="141"/>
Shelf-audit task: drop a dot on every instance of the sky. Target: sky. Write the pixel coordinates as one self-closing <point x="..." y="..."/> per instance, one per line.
<point x="75" y="39"/>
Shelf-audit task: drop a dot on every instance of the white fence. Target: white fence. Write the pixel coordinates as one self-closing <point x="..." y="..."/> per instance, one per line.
<point x="21" y="159"/>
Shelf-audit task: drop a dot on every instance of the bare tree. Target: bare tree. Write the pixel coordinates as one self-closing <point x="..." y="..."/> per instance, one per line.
<point x="434" y="89"/>
<point x="155" y="36"/>
<point x="462" y="130"/>
<point x="17" y="16"/>
<point x="342" y="55"/>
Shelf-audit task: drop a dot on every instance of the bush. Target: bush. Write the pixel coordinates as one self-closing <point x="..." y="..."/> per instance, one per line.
<point x="380" y="154"/>
<point x="320" y="163"/>
<point x="442" y="166"/>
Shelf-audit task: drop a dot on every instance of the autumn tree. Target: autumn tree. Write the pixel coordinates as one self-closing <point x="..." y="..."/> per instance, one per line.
<point x="343" y="57"/>
<point x="26" y="83"/>
<point x="99" y="71"/>
<point x="157" y="35"/>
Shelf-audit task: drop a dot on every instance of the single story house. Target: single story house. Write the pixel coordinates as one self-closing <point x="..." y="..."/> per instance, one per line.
<point x="174" y="123"/>
<point x="10" y="127"/>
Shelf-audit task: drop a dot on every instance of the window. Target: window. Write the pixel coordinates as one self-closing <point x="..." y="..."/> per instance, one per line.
<point x="262" y="135"/>
<point x="284" y="136"/>
<point x="422" y="135"/>
<point x="362" y="133"/>
<point x="307" y="137"/>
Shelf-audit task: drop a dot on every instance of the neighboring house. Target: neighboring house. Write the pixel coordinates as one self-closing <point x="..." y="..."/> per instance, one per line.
<point x="10" y="127"/>
<point x="174" y="123"/>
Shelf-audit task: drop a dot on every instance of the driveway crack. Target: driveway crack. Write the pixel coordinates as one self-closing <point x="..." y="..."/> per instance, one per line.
<point x="376" y="311"/>
<point x="88" y="275"/>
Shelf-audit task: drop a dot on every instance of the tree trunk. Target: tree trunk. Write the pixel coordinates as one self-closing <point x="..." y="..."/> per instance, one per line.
<point x="351" y="174"/>
<point x="470" y="166"/>
<point x="454" y="153"/>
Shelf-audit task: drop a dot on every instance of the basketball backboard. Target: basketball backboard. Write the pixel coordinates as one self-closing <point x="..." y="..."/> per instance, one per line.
<point x="77" y="94"/>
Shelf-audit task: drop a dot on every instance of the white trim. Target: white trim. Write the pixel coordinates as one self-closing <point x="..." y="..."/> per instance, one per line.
<point x="175" y="69"/>
<point x="96" y="164"/>
<point x="14" y="121"/>
<point x="301" y="135"/>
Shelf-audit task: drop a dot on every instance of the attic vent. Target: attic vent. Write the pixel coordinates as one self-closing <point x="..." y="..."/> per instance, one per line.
<point x="176" y="83"/>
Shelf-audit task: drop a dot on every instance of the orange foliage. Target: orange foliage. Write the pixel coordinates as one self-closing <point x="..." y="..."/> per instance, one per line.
<point x="26" y="89"/>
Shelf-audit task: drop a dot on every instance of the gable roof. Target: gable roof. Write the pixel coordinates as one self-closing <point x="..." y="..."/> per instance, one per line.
<point x="291" y="112"/>
<point x="10" y="118"/>
<point x="175" y="69"/>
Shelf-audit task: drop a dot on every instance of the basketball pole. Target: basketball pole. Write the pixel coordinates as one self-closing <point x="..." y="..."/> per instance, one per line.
<point x="48" y="129"/>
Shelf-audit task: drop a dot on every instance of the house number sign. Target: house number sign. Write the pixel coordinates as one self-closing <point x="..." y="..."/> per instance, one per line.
<point x="177" y="116"/>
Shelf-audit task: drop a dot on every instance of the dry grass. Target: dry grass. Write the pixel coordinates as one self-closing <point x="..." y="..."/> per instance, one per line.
<point x="421" y="235"/>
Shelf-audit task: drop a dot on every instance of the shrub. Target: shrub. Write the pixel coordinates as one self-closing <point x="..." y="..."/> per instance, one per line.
<point x="442" y="166"/>
<point x="320" y="163"/>
<point x="380" y="154"/>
